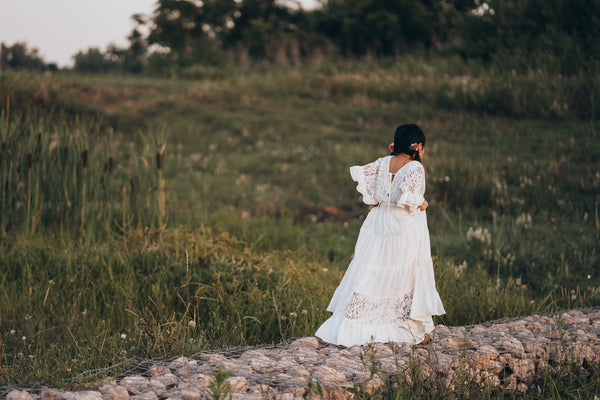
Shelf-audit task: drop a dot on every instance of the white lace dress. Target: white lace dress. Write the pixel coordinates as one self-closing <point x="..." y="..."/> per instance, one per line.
<point x="388" y="293"/>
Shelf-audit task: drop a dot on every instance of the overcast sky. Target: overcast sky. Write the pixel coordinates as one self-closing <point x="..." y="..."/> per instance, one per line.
<point x="60" y="28"/>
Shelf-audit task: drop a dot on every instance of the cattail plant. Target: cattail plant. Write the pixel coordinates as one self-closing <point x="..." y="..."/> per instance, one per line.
<point x="160" y="186"/>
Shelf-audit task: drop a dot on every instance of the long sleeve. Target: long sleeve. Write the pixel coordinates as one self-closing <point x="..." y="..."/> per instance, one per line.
<point x="366" y="176"/>
<point x="413" y="187"/>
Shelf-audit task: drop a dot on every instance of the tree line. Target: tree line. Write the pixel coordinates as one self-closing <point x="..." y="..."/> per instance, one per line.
<point x="562" y="35"/>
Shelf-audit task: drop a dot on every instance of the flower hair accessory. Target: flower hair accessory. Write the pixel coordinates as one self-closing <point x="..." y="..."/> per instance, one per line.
<point x="391" y="146"/>
<point x="416" y="146"/>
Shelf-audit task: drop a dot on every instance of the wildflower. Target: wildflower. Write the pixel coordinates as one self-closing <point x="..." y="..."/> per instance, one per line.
<point x="192" y="323"/>
<point x="293" y="315"/>
<point x="84" y="312"/>
<point x="51" y="282"/>
<point x="589" y="276"/>
<point x="24" y="338"/>
<point x="283" y="318"/>
<point x="191" y="340"/>
<point x="123" y="336"/>
<point x="27" y="317"/>
<point x="479" y="234"/>
<point x="458" y="270"/>
<point x="12" y="331"/>
<point x="303" y="312"/>
<point x="325" y="269"/>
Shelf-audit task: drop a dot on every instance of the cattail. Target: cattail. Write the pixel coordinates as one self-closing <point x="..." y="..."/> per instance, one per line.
<point x="84" y="157"/>
<point x="110" y="164"/>
<point x="159" y="160"/>
<point x="105" y="167"/>
<point x="7" y="110"/>
<point x="29" y="161"/>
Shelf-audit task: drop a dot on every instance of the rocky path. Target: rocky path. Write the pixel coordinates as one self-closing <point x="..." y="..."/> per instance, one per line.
<point x="504" y="354"/>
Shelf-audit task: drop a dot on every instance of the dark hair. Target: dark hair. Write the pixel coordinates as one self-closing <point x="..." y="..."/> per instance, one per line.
<point x="405" y="136"/>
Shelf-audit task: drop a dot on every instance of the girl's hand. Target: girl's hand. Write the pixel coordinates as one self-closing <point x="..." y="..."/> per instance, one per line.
<point x="424" y="206"/>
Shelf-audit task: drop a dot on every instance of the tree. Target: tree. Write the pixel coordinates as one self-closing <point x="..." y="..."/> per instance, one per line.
<point x="19" y="56"/>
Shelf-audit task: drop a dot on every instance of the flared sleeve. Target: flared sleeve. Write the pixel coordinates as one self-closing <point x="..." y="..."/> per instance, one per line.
<point x="366" y="177"/>
<point x="412" y="187"/>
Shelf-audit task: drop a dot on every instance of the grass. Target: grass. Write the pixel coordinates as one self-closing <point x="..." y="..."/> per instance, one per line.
<point x="244" y="232"/>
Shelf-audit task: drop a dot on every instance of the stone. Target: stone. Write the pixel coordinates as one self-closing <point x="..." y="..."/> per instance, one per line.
<point x="158" y="370"/>
<point x="19" y="395"/>
<point x="167" y="380"/>
<point x="310" y="342"/>
<point x="237" y="383"/>
<point x="85" y="395"/>
<point x="326" y="375"/>
<point x="149" y="395"/>
<point x="49" y="394"/>
<point x="135" y="384"/>
<point x="180" y="361"/>
<point x="189" y="393"/>
<point x="111" y="390"/>
<point x="483" y="357"/>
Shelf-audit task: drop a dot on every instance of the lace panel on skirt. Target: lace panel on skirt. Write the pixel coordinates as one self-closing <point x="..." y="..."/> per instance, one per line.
<point x="374" y="311"/>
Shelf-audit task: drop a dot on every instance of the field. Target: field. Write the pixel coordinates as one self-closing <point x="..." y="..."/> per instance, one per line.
<point x="151" y="217"/>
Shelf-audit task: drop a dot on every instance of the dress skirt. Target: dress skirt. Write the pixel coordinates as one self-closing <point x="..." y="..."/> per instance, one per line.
<point x="388" y="292"/>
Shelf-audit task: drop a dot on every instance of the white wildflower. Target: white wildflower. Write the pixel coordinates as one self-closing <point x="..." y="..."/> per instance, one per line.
<point x="24" y="338"/>
<point x="479" y="234"/>
<point x="303" y="312"/>
<point x="123" y="336"/>
<point x="459" y="269"/>
<point x="192" y="323"/>
<point x="12" y="331"/>
<point x="589" y="276"/>
<point x="293" y="315"/>
<point x="27" y="317"/>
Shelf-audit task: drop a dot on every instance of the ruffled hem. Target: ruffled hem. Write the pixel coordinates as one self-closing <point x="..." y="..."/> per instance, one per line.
<point x="345" y="332"/>
<point x="357" y="174"/>
<point x="411" y="200"/>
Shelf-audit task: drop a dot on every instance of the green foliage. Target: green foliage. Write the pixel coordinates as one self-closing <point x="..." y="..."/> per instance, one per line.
<point x="20" y="57"/>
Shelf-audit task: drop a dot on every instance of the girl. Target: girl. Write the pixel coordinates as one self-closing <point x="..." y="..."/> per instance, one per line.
<point x="388" y="293"/>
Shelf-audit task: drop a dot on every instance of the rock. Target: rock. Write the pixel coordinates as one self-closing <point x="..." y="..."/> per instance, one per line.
<point x="86" y="395"/>
<point x="110" y="390"/>
<point x="49" y="394"/>
<point x="190" y="393"/>
<point x="237" y="383"/>
<point x="166" y="380"/>
<point x="483" y="357"/>
<point x="158" y="370"/>
<point x="510" y="345"/>
<point x="180" y="361"/>
<point x="19" y="395"/>
<point x="145" y="396"/>
<point x="135" y="384"/>
<point x="310" y="342"/>
<point x="211" y="357"/>
<point x="326" y="375"/>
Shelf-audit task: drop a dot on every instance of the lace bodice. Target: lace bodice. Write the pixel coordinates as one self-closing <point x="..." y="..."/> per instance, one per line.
<point x="377" y="185"/>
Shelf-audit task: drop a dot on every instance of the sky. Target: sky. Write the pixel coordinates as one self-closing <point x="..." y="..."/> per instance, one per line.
<point x="61" y="28"/>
